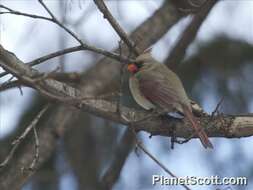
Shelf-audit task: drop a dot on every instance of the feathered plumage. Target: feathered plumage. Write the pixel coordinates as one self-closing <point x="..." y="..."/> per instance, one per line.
<point x="154" y="86"/>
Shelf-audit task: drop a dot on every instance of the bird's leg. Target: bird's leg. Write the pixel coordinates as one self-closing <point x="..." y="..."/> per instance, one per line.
<point x="172" y="130"/>
<point x="175" y="115"/>
<point x="173" y="138"/>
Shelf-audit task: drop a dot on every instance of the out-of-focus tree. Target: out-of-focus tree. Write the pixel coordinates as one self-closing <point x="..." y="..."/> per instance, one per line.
<point x="77" y="149"/>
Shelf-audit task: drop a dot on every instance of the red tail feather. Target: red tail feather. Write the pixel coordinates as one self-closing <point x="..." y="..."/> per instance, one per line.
<point x="201" y="133"/>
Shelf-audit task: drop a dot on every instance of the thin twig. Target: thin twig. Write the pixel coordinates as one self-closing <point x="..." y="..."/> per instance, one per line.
<point x="217" y="107"/>
<point x="144" y="149"/>
<point x="20" y="90"/>
<point x="107" y="14"/>
<point x="9" y="85"/>
<point x="37" y="150"/>
<point x="82" y="46"/>
<point x="17" y="142"/>
<point x="3" y="74"/>
<point x="79" y="48"/>
<point x="56" y="21"/>
<point x="55" y="54"/>
<point x="122" y="59"/>
<point x="152" y="157"/>
<point x="47" y="9"/>
<point x="11" y="11"/>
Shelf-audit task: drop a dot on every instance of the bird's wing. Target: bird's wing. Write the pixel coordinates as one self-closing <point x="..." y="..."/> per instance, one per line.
<point x="157" y="89"/>
<point x="137" y="95"/>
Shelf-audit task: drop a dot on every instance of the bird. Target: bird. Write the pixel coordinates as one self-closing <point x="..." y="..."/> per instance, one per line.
<point x="155" y="87"/>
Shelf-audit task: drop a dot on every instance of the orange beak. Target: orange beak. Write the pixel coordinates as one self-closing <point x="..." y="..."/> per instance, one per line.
<point x="132" y="68"/>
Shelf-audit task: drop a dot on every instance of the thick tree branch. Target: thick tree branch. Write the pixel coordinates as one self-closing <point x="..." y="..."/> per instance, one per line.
<point x="164" y="18"/>
<point x="218" y="126"/>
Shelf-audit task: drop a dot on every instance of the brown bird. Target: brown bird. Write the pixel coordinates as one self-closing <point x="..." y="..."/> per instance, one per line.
<point x="154" y="86"/>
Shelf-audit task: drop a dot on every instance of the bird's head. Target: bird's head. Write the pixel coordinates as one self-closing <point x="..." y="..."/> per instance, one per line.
<point x="133" y="68"/>
<point x="143" y="60"/>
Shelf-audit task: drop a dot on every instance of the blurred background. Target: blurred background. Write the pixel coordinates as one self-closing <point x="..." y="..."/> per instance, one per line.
<point x="219" y="63"/>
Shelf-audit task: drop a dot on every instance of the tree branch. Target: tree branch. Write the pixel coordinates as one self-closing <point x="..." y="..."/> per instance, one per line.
<point x="107" y="14"/>
<point x="19" y="140"/>
<point x="15" y="173"/>
<point x="10" y="84"/>
<point x="44" y="58"/>
<point x="217" y="126"/>
<point x="164" y="18"/>
<point x="14" y="178"/>
<point x="56" y="21"/>
<point x="11" y="11"/>
<point x="53" y="19"/>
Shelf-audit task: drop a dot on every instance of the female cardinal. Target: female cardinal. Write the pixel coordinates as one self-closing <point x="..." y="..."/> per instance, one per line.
<point x="154" y="86"/>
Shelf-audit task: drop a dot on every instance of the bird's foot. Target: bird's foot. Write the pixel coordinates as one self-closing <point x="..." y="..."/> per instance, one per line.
<point x="173" y="138"/>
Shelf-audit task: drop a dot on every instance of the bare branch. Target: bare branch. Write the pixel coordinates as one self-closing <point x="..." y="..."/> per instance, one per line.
<point x="17" y="142"/>
<point x="164" y="18"/>
<point x="56" y="21"/>
<point x="37" y="150"/>
<point x="53" y="19"/>
<point x="11" y="11"/>
<point x="83" y="45"/>
<point x="121" y="58"/>
<point x="222" y="125"/>
<point x="120" y="155"/>
<point x="79" y="48"/>
<point x="9" y="85"/>
<point x="144" y="149"/>
<point x="47" y="9"/>
<point x="107" y="14"/>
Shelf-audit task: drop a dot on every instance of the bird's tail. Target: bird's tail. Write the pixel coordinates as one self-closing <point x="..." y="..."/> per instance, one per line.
<point x="201" y="133"/>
